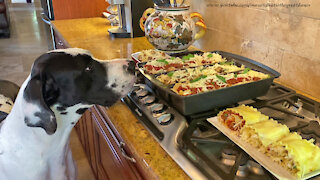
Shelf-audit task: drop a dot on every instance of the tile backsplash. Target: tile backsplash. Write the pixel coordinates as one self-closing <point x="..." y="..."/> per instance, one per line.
<point x="286" y="39"/>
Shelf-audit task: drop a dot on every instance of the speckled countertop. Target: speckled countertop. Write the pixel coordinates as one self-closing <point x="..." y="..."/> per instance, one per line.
<point x="92" y="34"/>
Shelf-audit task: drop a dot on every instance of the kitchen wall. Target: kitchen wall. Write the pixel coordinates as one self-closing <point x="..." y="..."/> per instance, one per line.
<point x="286" y="39"/>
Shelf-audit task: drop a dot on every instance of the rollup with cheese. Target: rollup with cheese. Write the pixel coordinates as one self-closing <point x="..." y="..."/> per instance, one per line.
<point x="263" y="133"/>
<point x="298" y="155"/>
<point x="238" y="117"/>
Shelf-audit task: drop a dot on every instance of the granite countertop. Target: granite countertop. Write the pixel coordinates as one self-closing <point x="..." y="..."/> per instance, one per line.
<point x="92" y="34"/>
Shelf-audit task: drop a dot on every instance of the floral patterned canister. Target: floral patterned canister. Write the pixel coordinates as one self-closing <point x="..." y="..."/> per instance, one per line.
<point x="172" y="29"/>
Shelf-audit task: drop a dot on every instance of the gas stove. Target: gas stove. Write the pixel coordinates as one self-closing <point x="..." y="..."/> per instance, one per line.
<point x="201" y="150"/>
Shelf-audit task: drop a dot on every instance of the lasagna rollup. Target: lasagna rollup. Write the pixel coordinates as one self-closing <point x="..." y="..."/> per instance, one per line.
<point x="298" y="155"/>
<point x="263" y="133"/>
<point x="238" y="117"/>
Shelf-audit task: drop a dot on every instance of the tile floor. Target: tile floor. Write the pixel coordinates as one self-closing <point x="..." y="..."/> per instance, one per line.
<point x="28" y="41"/>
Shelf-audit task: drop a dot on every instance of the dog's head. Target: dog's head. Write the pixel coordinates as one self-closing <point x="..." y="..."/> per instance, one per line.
<point x="72" y="76"/>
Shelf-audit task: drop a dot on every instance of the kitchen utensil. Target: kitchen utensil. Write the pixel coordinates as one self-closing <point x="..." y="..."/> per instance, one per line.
<point x="172" y="29"/>
<point x="129" y="13"/>
<point x="218" y="98"/>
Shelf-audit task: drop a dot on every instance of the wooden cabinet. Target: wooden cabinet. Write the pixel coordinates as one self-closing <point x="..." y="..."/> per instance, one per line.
<point x="72" y="9"/>
<point x="105" y="149"/>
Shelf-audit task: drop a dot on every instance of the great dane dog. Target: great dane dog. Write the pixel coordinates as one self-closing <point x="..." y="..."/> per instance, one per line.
<point x="34" y="138"/>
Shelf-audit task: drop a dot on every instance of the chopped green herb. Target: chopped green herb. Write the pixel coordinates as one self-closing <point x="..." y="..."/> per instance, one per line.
<point x="227" y="63"/>
<point x="246" y="70"/>
<point x="187" y="57"/>
<point x="210" y="55"/>
<point x="198" y="78"/>
<point x="225" y="115"/>
<point x="190" y="55"/>
<point x="235" y="75"/>
<point x="170" y="74"/>
<point x="221" y="78"/>
<point x="163" y="61"/>
<point x="202" y="69"/>
<point x="172" y="58"/>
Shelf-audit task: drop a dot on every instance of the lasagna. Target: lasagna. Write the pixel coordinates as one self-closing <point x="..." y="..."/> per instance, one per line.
<point x="202" y="83"/>
<point x="297" y="155"/>
<point x="189" y="74"/>
<point x="175" y="63"/>
<point x="264" y="133"/>
<point x="150" y="55"/>
<point x="194" y="73"/>
<point x="236" y="118"/>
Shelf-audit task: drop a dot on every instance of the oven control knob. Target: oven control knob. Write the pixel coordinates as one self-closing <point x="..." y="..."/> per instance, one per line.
<point x="135" y="89"/>
<point x="165" y="119"/>
<point x="158" y="108"/>
<point x="148" y="100"/>
<point x="141" y="93"/>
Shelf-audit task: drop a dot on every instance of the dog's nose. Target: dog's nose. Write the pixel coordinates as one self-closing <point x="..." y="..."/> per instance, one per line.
<point x="131" y="67"/>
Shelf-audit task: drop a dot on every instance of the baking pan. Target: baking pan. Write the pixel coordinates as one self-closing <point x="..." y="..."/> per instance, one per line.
<point x="206" y="101"/>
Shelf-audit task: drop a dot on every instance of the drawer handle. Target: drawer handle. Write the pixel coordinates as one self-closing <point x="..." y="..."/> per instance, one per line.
<point x="124" y="154"/>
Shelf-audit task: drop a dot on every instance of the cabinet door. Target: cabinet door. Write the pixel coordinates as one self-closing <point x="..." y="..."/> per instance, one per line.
<point x="110" y="162"/>
<point x="72" y="9"/>
<point x="90" y="141"/>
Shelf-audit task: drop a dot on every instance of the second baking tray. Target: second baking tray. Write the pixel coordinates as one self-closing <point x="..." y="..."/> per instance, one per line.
<point x="206" y="101"/>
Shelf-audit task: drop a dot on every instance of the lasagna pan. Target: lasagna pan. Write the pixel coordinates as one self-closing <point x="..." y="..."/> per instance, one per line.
<point x="206" y="101"/>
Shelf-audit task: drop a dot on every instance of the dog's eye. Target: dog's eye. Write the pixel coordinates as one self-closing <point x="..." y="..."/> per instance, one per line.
<point x="88" y="69"/>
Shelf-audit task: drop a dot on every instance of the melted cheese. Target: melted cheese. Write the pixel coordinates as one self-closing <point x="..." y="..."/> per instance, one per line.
<point x="151" y="54"/>
<point x="268" y="131"/>
<point x="250" y="115"/>
<point x="198" y="60"/>
<point x="305" y="153"/>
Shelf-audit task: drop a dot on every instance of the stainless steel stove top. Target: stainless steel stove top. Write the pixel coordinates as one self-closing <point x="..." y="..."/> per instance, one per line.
<point x="201" y="150"/>
<point x="165" y="124"/>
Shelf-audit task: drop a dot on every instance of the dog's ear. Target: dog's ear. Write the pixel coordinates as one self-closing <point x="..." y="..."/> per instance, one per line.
<point x="39" y="94"/>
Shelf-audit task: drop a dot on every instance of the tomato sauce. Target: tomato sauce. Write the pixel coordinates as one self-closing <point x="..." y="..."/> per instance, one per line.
<point x="230" y="121"/>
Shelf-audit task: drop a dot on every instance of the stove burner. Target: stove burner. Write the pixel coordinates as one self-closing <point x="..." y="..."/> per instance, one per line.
<point x="312" y="128"/>
<point x="243" y="167"/>
<point x="255" y="167"/>
<point x="229" y="156"/>
<point x="308" y="136"/>
<point x="299" y="125"/>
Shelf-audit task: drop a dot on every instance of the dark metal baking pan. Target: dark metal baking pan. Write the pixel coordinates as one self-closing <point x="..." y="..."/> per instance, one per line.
<point x="205" y="101"/>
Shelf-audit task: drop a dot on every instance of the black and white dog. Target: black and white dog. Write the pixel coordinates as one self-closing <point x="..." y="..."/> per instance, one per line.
<point x="34" y="138"/>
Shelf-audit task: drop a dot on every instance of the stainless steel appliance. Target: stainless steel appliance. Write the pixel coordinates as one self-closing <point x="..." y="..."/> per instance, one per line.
<point x="129" y="12"/>
<point x="201" y="150"/>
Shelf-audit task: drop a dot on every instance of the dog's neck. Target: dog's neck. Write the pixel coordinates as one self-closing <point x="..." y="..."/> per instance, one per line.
<point x="15" y="128"/>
